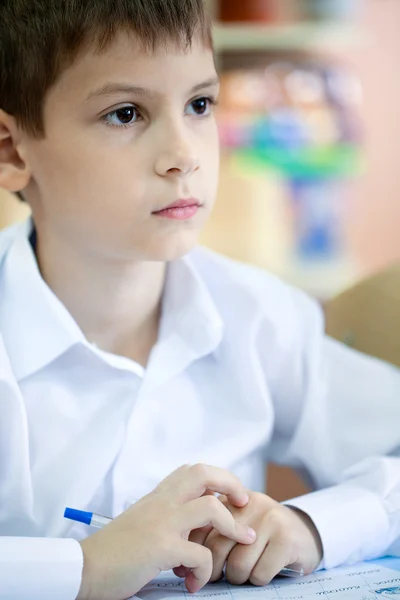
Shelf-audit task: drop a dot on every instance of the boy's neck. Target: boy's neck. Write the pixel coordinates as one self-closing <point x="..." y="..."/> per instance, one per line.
<point x="116" y="305"/>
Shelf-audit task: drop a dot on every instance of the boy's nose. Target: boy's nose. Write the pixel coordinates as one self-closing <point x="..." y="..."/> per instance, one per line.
<point x="178" y="157"/>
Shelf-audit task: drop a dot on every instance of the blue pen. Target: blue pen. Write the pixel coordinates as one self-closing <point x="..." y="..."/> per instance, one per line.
<point x="89" y="518"/>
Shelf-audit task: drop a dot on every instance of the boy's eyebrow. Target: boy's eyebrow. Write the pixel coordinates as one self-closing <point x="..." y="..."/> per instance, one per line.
<point x="117" y="88"/>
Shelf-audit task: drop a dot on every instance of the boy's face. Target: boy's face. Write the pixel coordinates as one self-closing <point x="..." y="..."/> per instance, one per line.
<point x="113" y="158"/>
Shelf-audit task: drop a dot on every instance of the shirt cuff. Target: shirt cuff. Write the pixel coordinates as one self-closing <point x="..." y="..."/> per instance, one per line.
<point x="351" y="521"/>
<point x="40" y="568"/>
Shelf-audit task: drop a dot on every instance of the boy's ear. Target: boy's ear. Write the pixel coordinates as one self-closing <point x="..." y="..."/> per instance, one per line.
<point x="14" y="172"/>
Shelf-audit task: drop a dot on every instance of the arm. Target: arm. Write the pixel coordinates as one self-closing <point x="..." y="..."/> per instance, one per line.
<point x="333" y="408"/>
<point x="37" y="568"/>
<point x="134" y="548"/>
<point x="336" y="408"/>
<point x="365" y="511"/>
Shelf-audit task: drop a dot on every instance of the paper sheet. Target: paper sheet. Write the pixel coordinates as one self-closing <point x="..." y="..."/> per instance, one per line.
<point x="361" y="582"/>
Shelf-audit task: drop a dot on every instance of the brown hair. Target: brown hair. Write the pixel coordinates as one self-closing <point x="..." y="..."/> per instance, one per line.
<point x="41" y="38"/>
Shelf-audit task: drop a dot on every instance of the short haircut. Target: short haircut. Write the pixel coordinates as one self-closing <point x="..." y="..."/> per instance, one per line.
<point x="39" y="39"/>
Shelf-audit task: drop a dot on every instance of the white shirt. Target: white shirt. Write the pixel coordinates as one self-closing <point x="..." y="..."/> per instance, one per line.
<point x="241" y="374"/>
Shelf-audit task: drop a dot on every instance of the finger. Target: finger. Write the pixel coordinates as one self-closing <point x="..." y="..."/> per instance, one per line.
<point x="243" y="559"/>
<point x="199" y="562"/>
<point x="221" y="548"/>
<point x="190" y="482"/>
<point x="208" y="510"/>
<point x="199" y="536"/>
<point x="181" y="571"/>
<point x="274" y="558"/>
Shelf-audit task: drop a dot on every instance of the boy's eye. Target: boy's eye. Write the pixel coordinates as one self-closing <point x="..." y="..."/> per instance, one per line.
<point x="122" y="117"/>
<point x="126" y="116"/>
<point x="201" y="106"/>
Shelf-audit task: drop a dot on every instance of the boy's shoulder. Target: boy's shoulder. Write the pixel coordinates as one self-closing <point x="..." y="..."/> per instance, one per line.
<point x="252" y="290"/>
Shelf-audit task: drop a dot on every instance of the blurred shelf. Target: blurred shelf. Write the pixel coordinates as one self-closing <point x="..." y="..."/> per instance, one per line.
<point x="296" y="36"/>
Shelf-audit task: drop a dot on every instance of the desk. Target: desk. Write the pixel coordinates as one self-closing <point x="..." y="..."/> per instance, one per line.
<point x="389" y="562"/>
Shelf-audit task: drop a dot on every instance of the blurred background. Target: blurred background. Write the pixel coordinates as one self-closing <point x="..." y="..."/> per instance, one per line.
<point x="310" y="136"/>
<point x="310" y="130"/>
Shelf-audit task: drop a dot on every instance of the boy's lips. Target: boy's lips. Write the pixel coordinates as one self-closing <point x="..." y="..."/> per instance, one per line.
<point x="180" y="210"/>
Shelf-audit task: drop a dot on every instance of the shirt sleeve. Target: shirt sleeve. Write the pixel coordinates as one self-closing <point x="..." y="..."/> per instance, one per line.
<point x="40" y="569"/>
<point x="360" y="518"/>
<point x="337" y="416"/>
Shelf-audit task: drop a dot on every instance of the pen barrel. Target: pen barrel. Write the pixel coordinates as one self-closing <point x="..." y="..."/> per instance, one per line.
<point x="99" y="522"/>
<point x="287" y="572"/>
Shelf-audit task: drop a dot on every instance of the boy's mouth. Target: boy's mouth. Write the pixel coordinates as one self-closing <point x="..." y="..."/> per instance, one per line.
<point x="181" y="210"/>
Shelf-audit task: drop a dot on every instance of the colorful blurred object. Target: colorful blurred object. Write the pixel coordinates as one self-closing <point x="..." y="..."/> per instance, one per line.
<point x="300" y="121"/>
<point x="330" y="9"/>
<point x="248" y="10"/>
<point x="276" y="11"/>
<point x="306" y="110"/>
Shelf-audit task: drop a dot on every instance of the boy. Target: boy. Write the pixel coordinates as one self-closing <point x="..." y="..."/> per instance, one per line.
<point x="125" y="353"/>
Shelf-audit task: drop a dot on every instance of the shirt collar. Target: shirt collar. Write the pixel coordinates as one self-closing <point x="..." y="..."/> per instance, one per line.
<point x="37" y="328"/>
<point x="191" y="326"/>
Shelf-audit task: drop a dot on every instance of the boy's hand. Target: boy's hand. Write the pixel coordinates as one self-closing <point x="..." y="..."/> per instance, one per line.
<point x="285" y="537"/>
<point x="153" y="535"/>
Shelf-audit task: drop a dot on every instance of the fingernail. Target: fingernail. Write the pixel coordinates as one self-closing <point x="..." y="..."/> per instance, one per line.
<point x="251" y="534"/>
<point x="245" y="498"/>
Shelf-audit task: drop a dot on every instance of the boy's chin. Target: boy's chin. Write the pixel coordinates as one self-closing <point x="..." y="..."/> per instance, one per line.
<point x="171" y="250"/>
